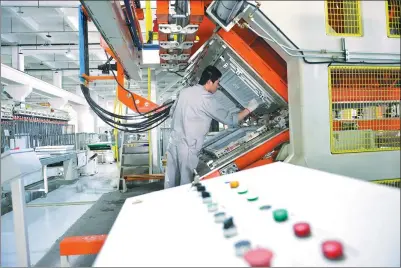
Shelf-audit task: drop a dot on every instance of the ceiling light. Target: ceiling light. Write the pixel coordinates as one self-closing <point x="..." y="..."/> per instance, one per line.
<point x="48" y="35"/>
<point x="20" y="11"/>
<point x="68" y="54"/>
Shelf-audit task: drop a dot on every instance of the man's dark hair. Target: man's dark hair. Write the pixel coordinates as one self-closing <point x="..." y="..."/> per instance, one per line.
<point x="210" y="73"/>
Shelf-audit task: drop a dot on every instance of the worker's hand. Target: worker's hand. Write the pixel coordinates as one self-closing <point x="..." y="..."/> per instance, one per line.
<point x="252" y="105"/>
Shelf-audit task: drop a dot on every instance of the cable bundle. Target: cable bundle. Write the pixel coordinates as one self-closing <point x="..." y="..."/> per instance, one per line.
<point x="147" y="121"/>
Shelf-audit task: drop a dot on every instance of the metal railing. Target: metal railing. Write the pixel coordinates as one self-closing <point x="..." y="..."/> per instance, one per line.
<point x="364" y="108"/>
<point x="343" y="17"/>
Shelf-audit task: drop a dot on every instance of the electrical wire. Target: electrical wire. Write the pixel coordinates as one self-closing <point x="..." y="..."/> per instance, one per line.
<point x="319" y="62"/>
<point x="132" y="95"/>
<point x="147" y="120"/>
<point x="139" y="127"/>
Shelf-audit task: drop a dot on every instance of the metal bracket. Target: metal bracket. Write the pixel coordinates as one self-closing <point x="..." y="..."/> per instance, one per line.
<point x="344" y="48"/>
<point x="173" y="67"/>
<point x="226" y="26"/>
<point x="174" y="56"/>
<point x="229" y="169"/>
<point x="178" y="29"/>
<point x="176" y="45"/>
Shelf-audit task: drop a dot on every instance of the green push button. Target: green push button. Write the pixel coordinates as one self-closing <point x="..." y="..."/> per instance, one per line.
<point x="280" y="215"/>
<point x="242" y="191"/>
<point x="253" y="198"/>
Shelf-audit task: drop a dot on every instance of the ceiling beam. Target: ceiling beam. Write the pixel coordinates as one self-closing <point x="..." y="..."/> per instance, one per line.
<point x="43" y="60"/>
<point x="9" y="38"/>
<point x="29" y="23"/>
<point x="70" y="20"/>
<point x="40" y="3"/>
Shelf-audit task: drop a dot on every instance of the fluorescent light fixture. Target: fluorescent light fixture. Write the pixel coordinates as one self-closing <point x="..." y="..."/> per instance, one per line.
<point x="68" y="54"/>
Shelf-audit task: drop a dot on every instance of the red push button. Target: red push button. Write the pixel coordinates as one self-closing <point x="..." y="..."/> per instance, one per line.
<point x="332" y="249"/>
<point x="302" y="229"/>
<point x="259" y="257"/>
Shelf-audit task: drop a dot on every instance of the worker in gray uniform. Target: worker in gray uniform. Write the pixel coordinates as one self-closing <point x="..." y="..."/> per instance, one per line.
<point x="192" y="114"/>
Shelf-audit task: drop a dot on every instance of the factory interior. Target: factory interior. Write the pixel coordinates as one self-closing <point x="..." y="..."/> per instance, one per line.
<point x="90" y="105"/>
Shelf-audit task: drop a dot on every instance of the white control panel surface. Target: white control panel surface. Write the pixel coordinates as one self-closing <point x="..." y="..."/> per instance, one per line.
<point x="174" y="227"/>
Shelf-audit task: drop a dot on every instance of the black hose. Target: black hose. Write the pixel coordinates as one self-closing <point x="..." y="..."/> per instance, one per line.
<point x="151" y="119"/>
<point x="132" y="95"/>
<point x="140" y="127"/>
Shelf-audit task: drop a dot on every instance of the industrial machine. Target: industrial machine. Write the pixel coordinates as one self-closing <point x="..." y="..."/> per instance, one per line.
<point x="331" y="104"/>
<point x="47" y="132"/>
<point x="103" y="150"/>
<point x="239" y="84"/>
<point x="324" y="119"/>
<point x="28" y="125"/>
<point x="270" y="216"/>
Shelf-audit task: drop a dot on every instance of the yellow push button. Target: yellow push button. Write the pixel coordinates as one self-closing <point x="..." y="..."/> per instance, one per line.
<point x="234" y="184"/>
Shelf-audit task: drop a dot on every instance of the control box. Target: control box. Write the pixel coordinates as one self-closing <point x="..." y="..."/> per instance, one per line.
<point x="273" y="215"/>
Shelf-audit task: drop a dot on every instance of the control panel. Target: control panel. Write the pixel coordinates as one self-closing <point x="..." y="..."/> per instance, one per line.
<point x="274" y="215"/>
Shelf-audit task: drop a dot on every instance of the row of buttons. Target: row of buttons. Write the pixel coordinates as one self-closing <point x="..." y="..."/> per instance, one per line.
<point x="255" y="257"/>
<point x="262" y="257"/>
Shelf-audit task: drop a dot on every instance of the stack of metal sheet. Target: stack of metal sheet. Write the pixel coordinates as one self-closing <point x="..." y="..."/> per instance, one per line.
<point x="224" y="145"/>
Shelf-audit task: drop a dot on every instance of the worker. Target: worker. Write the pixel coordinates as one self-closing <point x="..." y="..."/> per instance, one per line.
<point x="108" y="133"/>
<point x="192" y="114"/>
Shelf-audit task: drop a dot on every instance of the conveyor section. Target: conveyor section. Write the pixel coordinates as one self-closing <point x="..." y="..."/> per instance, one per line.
<point x="234" y="150"/>
<point x="237" y="137"/>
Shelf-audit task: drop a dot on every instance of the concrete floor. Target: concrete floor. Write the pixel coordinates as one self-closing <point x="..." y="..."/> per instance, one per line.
<point x="97" y="220"/>
<point x="48" y="223"/>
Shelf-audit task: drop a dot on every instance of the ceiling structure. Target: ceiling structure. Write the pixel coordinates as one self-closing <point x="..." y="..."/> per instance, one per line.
<point x="46" y="33"/>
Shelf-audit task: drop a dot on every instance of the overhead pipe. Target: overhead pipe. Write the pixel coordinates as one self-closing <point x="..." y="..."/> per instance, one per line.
<point x="51" y="45"/>
<point x="30" y="3"/>
<point x="45" y="32"/>
<point x="318" y="53"/>
<point x="57" y="69"/>
<point x="69" y="61"/>
<point x="54" y="49"/>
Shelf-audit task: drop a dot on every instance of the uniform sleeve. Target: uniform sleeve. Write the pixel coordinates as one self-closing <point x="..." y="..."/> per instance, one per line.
<point x="217" y="111"/>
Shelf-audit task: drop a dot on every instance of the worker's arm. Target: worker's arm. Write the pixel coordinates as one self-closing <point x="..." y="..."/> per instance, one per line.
<point x="252" y="106"/>
<point x="244" y="113"/>
<point x="215" y="110"/>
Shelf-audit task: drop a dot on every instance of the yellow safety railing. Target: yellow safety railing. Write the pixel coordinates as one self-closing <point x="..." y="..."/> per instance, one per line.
<point x="118" y="109"/>
<point x="343" y="17"/>
<point x="389" y="182"/>
<point x="364" y="108"/>
<point x="149" y="24"/>
<point x="393" y="17"/>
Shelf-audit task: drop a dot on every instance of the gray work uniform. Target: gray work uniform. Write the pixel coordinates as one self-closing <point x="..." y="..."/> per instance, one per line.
<point x="192" y="114"/>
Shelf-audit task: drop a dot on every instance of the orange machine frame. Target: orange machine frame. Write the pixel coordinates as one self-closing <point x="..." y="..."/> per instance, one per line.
<point x="254" y="157"/>
<point x="273" y="70"/>
<point x="262" y="58"/>
<point x="144" y="105"/>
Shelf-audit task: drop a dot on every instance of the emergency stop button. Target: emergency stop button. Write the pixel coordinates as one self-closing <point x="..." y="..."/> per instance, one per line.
<point x="302" y="229"/>
<point x="258" y="257"/>
<point x="332" y="249"/>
